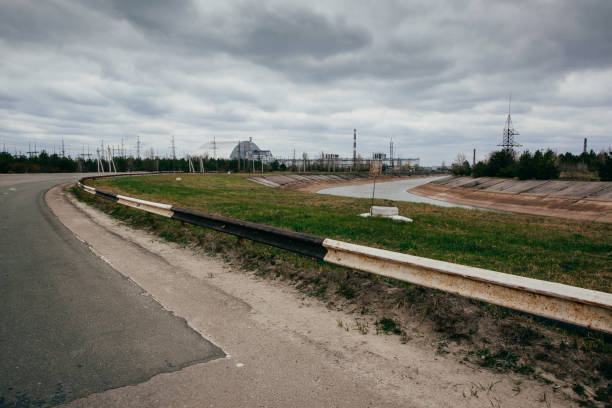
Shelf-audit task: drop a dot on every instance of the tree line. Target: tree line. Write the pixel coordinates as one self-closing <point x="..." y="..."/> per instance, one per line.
<point x="539" y="165"/>
<point x="53" y="163"/>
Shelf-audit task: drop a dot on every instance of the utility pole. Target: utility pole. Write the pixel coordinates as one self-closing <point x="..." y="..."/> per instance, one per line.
<point x="173" y="149"/>
<point x="354" y="149"/>
<point x="110" y="159"/>
<point x="391" y="153"/>
<point x="99" y="160"/>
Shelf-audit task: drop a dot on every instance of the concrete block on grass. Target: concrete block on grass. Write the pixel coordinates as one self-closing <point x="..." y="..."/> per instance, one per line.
<point x="385" y="212"/>
<point x="380" y="211"/>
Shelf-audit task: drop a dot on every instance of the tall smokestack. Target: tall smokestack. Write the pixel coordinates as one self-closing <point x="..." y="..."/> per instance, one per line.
<point x="585" y="145"/>
<point x="474" y="158"/>
<point x="354" y="148"/>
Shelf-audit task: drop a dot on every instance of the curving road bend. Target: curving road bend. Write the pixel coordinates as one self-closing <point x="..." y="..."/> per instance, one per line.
<point x="72" y="325"/>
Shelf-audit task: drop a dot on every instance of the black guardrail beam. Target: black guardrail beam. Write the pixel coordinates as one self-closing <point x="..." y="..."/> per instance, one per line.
<point x="304" y="244"/>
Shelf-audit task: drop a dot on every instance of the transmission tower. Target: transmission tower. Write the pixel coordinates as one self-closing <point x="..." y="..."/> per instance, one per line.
<point x="32" y="152"/>
<point x="81" y="159"/>
<point x="138" y="147"/>
<point x="63" y="151"/>
<point x="508" y="144"/>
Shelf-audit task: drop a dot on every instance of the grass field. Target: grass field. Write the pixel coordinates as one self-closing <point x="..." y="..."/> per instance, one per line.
<point x="570" y="252"/>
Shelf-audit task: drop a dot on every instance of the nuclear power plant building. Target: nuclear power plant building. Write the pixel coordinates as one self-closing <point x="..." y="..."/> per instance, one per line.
<point x="249" y="150"/>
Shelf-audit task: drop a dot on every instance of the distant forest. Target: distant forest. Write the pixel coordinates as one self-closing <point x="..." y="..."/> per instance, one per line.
<point x="539" y="165"/>
<point x="53" y="163"/>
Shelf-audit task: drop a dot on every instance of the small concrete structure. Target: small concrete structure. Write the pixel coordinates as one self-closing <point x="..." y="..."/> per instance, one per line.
<point x="385" y="212"/>
<point x="380" y="211"/>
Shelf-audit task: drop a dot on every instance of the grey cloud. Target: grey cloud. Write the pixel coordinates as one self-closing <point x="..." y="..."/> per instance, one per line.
<point x="255" y="30"/>
<point x="286" y="33"/>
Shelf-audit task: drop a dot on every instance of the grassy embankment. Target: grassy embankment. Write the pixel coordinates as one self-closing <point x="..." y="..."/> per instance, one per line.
<point x="570" y="252"/>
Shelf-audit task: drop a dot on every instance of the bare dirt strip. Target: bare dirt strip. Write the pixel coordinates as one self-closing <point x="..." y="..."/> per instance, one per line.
<point x="574" y="208"/>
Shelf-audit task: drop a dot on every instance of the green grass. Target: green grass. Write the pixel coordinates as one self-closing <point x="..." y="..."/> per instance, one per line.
<point x="570" y="252"/>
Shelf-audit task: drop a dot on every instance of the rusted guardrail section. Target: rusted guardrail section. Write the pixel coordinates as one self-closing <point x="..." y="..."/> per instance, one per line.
<point x="569" y="304"/>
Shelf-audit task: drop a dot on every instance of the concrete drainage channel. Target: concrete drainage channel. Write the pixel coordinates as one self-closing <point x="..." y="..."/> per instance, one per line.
<point x="581" y="307"/>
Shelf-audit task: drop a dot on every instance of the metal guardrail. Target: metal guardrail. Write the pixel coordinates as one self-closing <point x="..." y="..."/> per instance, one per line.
<point x="569" y="304"/>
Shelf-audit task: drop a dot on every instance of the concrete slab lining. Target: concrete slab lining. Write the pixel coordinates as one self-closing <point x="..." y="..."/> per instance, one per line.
<point x="605" y="193"/>
<point x="443" y="181"/>
<point x="583" y="189"/>
<point x="491" y="182"/>
<point x="551" y="187"/>
<point x="524" y="186"/>
<point x="505" y="184"/>
<point x="476" y="182"/>
<point x="458" y="182"/>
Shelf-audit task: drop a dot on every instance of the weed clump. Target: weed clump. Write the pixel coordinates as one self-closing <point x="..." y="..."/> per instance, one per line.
<point x="387" y="326"/>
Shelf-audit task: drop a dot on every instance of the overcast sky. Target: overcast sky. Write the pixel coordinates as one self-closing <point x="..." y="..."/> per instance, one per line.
<point x="435" y="76"/>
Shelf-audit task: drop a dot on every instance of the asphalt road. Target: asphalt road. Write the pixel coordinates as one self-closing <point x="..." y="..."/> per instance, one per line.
<point x="72" y="325"/>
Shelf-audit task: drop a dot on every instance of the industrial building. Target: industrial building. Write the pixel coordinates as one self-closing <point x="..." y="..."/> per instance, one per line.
<point x="249" y="150"/>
